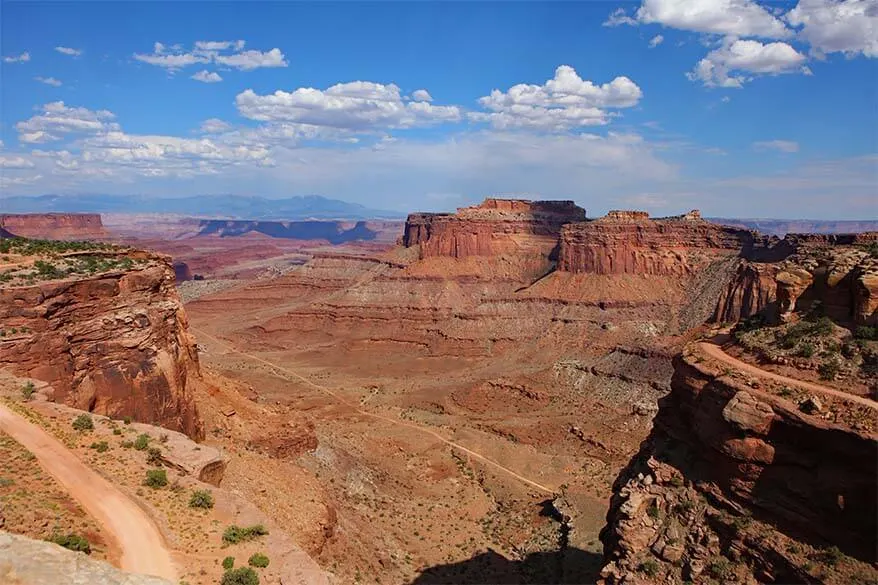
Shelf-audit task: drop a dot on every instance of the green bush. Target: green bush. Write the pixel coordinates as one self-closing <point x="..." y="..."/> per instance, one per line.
<point x="201" y="499"/>
<point x="156" y="478"/>
<point x="27" y="391"/>
<point x="235" y="534"/>
<point x="719" y="568"/>
<point x="141" y="442"/>
<point x="866" y="332"/>
<point x="240" y="576"/>
<point x="101" y="447"/>
<point x="83" y="422"/>
<point x="72" y="542"/>
<point x="829" y="369"/>
<point x="831" y="556"/>
<point x="649" y="567"/>
<point x="258" y="560"/>
<point x="228" y="563"/>
<point x="118" y="432"/>
<point x="126" y="420"/>
<point x="806" y="350"/>
<point x="127" y="444"/>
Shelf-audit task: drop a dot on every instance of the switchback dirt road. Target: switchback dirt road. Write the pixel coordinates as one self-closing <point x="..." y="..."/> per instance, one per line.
<point x="133" y="532"/>
<point x="716" y="352"/>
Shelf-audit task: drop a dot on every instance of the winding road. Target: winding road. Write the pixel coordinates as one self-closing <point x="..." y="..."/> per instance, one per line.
<point x="388" y="419"/>
<point x="717" y="352"/>
<point x="130" y="528"/>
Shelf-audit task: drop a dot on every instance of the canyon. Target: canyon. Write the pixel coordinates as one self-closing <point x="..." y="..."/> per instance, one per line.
<point x="509" y="393"/>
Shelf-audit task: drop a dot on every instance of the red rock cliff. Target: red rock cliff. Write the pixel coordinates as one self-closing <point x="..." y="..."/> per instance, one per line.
<point x="114" y="343"/>
<point x="629" y="242"/>
<point x="54" y="226"/>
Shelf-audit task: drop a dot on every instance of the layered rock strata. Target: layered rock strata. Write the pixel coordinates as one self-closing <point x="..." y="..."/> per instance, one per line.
<point x="54" y="226"/>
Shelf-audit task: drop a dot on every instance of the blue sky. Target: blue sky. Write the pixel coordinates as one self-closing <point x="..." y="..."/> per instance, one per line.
<point x="731" y="106"/>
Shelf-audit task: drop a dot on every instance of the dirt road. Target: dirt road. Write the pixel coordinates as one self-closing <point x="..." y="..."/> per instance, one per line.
<point x="137" y="537"/>
<point x="393" y="421"/>
<point x="716" y="352"/>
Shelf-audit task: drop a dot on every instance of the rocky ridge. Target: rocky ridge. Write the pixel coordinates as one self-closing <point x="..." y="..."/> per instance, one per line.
<point x="56" y="226"/>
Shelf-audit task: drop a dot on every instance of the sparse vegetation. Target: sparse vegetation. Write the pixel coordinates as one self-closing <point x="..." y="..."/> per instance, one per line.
<point x="649" y="567"/>
<point x="831" y="556"/>
<point x="101" y="447"/>
<point x="240" y="576"/>
<point x="228" y="563"/>
<point x="156" y="478"/>
<point x="258" y="560"/>
<point x="829" y="369"/>
<point x="235" y="534"/>
<point x="719" y="568"/>
<point x="72" y="542"/>
<point x="141" y="442"/>
<point x="867" y="332"/>
<point x="201" y="499"/>
<point x="83" y="422"/>
<point x="154" y="456"/>
<point x="127" y="444"/>
<point x="27" y="391"/>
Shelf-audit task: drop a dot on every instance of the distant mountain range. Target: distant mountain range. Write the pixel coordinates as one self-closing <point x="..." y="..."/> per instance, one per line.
<point x="213" y="206"/>
<point x="781" y="227"/>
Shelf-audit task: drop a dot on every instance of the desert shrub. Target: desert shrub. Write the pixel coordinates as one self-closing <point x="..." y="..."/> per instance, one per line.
<point x="719" y="568"/>
<point x="866" y="332"/>
<point x="831" y="556"/>
<point x="83" y="422"/>
<point x="154" y="456"/>
<point x="201" y="499"/>
<point x="47" y="270"/>
<point x="806" y="350"/>
<point x="829" y="369"/>
<point x="117" y="431"/>
<point x="126" y="420"/>
<point x="141" y="442"/>
<point x="649" y="567"/>
<point x="27" y="391"/>
<point x="240" y="576"/>
<point x="872" y="249"/>
<point x="72" y="542"/>
<point x="258" y="560"/>
<point x="653" y="511"/>
<point x="228" y="563"/>
<point x="235" y="534"/>
<point x="127" y="444"/>
<point x="156" y="478"/>
<point x="101" y="447"/>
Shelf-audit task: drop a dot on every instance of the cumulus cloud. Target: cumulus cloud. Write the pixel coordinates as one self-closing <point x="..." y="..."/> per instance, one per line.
<point x="738" y="61"/>
<point x="422" y="95"/>
<point x="724" y="17"/>
<point x="49" y="81"/>
<point x="656" y="41"/>
<point x="787" y="146"/>
<point x="355" y="106"/>
<point x="174" y="57"/>
<point x="206" y="76"/>
<point x="214" y="126"/>
<point x="57" y="120"/>
<point x="833" y="26"/>
<point x="15" y="162"/>
<point x="564" y="102"/>
<point x="23" y="58"/>
<point x="69" y="51"/>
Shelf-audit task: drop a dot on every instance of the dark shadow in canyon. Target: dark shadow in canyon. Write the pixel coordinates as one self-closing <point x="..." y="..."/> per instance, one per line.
<point x="568" y="566"/>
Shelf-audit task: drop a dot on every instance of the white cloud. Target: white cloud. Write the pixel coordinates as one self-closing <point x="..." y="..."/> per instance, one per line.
<point x="49" y="81"/>
<point x="219" y="45"/>
<point x="722" y="17"/>
<point x="23" y="58"/>
<point x="833" y="26"/>
<point x="787" y="146"/>
<point x="737" y="61"/>
<point x="15" y="162"/>
<point x="356" y="106"/>
<point x="174" y="57"/>
<point x="248" y="60"/>
<point x="214" y="126"/>
<point x="69" y="51"/>
<point x="422" y="95"/>
<point x="58" y="119"/>
<point x="564" y="102"/>
<point x="207" y="76"/>
<point x="656" y="41"/>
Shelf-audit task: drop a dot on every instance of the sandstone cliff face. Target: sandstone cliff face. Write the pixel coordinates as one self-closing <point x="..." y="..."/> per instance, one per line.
<point x="736" y="480"/>
<point x="56" y="226"/>
<point x="751" y="290"/>
<point x="628" y="242"/>
<point x="114" y="343"/>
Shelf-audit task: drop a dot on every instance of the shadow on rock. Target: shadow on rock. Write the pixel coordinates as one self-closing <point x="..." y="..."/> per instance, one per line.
<point x="568" y="567"/>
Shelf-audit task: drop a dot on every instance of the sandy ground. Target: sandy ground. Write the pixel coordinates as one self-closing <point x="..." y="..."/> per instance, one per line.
<point x="133" y="532"/>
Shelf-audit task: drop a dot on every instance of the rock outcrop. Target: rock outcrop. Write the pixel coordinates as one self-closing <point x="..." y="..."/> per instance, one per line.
<point x="114" y="343"/>
<point x="736" y="483"/>
<point x="54" y="226"/>
<point x="24" y="561"/>
<point x="629" y="242"/>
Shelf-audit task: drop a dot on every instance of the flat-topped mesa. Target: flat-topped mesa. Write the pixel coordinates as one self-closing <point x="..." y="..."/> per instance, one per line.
<point x="492" y="228"/>
<point x="629" y="242"/>
<point x="54" y="226"/>
<point x="106" y="329"/>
